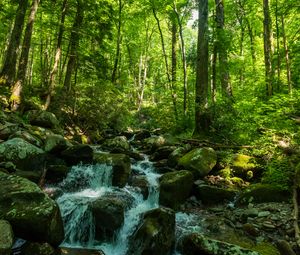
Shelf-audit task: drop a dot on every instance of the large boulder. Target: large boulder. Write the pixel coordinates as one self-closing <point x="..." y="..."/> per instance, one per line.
<point x="194" y="244"/>
<point x="211" y="194"/>
<point x="121" y="167"/>
<point x="28" y="137"/>
<point x="6" y="237"/>
<point x="155" y="234"/>
<point x="261" y="193"/>
<point x="77" y="154"/>
<point x="43" y="119"/>
<point x="32" y="214"/>
<point x="118" y="144"/>
<point x="200" y="161"/>
<point x="109" y="217"/>
<point x="162" y="153"/>
<point x="177" y="154"/>
<point x="140" y="182"/>
<point x="175" y="188"/>
<point x="23" y="154"/>
<point x="55" y="143"/>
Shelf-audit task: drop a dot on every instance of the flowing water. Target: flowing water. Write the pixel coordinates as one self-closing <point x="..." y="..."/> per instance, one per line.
<point x="87" y="183"/>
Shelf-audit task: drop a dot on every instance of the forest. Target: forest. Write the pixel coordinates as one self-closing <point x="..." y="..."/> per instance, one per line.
<point x="195" y="104"/>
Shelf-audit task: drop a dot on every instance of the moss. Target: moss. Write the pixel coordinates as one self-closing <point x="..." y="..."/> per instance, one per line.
<point x="266" y="249"/>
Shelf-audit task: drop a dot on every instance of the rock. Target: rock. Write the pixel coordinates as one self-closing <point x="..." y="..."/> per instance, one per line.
<point x="120" y="164"/>
<point x="78" y="153"/>
<point x="79" y="251"/>
<point x="211" y="194"/>
<point x="141" y="182"/>
<point x="6" y="237"/>
<point x="242" y="165"/>
<point x="28" y="137"/>
<point x="32" y="214"/>
<point x="43" y="119"/>
<point x="263" y="214"/>
<point x="162" y="153"/>
<point x="175" y="188"/>
<point x="119" y="144"/>
<point x="23" y="154"/>
<point x="177" y="154"/>
<point x="8" y="166"/>
<point x="251" y="229"/>
<point x="55" y="144"/>
<point x="199" y="161"/>
<point x="7" y="129"/>
<point x="109" y="217"/>
<point x="56" y="173"/>
<point x="142" y="134"/>
<point x="33" y="176"/>
<point x="285" y="248"/>
<point x="155" y="234"/>
<point x="195" y="244"/>
<point x="260" y="193"/>
<point x="155" y="142"/>
<point x="38" y="249"/>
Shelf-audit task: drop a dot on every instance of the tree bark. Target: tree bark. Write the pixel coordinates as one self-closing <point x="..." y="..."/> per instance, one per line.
<point x="74" y="41"/>
<point x="222" y="50"/>
<point x="8" y="72"/>
<point x="202" y="70"/>
<point x="57" y="55"/>
<point x="16" y="96"/>
<point x="287" y="58"/>
<point x="278" y="47"/>
<point x="267" y="48"/>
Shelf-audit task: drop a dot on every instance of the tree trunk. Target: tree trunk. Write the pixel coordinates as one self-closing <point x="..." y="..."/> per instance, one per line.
<point x="202" y="70"/>
<point x="214" y="73"/>
<point x="118" y="46"/>
<point x="173" y="95"/>
<point x="8" y="72"/>
<point x="287" y="58"/>
<point x="278" y="47"/>
<point x="174" y="55"/>
<point x="251" y="37"/>
<point x="57" y="55"/>
<point x="222" y="50"/>
<point x="184" y="65"/>
<point x="15" y="99"/>
<point x="267" y="48"/>
<point x="74" y="41"/>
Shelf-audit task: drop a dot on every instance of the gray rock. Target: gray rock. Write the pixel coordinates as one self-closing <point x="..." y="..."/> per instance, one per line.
<point x="56" y="143"/>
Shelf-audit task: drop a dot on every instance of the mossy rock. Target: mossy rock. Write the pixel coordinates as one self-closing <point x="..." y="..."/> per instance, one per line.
<point x="199" y="161"/>
<point x="177" y="154"/>
<point x="121" y="166"/>
<point x="6" y="237"/>
<point x="32" y="214"/>
<point x="38" y="249"/>
<point x="261" y="193"/>
<point x="43" y="119"/>
<point x="76" y="154"/>
<point x="175" y="188"/>
<point x="56" y="143"/>
<point x="242" y="165"/>
<point x="119" y="143"/>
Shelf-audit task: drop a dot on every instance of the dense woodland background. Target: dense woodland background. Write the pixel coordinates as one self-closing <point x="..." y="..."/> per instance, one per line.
<point x="119" y="64"/>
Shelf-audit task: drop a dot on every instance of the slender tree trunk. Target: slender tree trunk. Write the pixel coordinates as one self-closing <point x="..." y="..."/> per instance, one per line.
<point x="57" y="55"/>
<point x="278" y="47"/>
<point x="214" y="73"/>
<point x="287" y="58"/>
<point x="173" y="93"/>
<point x="74" y="41"/>
<point x="174" y="55"/>
<point x="202" y="70"/>
<point x="118" y="46"/>
<point x="267" y="48"/>
<point x="15" y="99"/>
<point x="8" y="72"/>
<point x="251" y="37"/>
<point x="184" y="65"/>
<point x="222" y="50"/>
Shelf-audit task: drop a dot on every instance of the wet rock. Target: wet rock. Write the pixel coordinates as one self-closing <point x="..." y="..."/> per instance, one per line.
<point x="78" y="251"/>
<point x="119" y="143"/>
<point x="38" y="249"/>
<point x="195" y="244"/>
<point x="260" y="193"/>
<point x="23" y="154"/>
<point x="177" y="154"/>
<point x="120" y="164"/>
<point x="56" y="173"/>
<point x="78" y="153"/>
<point x="210" y="194"/>
<point x="142" y="183"/>
<point x="199" y="161"/>
<point x="155" y="234"/>
<point x="55" y="144"/>
<point x="6" y="237"/>
<point x="109" y="217"/>
<point x="175" y="188"/>
<point x="32" y="214"/>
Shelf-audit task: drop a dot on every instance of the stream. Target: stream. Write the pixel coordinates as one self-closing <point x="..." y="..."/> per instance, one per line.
<point x="87" y="183"/>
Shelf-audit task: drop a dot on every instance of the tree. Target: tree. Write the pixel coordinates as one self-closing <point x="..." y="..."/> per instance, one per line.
<point x="9" y="67"/>
<point x="15" y="99"/>
<point x="202" y="70"/>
